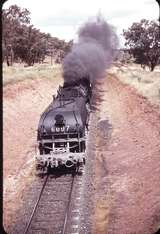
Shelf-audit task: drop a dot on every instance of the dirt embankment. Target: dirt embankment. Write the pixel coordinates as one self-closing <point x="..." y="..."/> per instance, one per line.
<point x="127" y="197"/>
<point x="127" y="185"/>
<point x="23" y="102"/>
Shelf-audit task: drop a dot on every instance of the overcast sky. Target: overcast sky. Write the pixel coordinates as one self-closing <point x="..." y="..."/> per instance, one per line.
<point x="62" y="18"/>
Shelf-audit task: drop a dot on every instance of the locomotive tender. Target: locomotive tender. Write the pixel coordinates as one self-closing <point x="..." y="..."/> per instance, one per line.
<point x="62" y="127"/>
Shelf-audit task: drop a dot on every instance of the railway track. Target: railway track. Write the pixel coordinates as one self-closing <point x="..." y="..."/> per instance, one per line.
<point x="52" y="205"/>
<point x="55" y="206"/>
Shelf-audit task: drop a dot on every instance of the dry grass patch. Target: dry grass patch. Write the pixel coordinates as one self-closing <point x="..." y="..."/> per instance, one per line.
<point x="18" y="72"/>
<point x="145" y="82"/>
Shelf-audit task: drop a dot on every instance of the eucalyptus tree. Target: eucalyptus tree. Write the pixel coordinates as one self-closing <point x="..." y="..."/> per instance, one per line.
<point x="144" y="44"/>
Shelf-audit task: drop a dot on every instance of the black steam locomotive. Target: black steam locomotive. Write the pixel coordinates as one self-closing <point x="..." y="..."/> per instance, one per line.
<point x="62" y="127"/>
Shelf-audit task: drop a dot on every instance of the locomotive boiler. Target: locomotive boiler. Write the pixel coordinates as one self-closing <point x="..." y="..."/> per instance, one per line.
<point x="62" y="127"/>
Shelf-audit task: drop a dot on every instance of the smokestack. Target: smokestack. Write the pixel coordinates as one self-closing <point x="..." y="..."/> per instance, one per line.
<point x="93" y="53"/>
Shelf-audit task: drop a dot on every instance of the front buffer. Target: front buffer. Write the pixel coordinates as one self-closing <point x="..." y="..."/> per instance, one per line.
<point x="59" y="159"/>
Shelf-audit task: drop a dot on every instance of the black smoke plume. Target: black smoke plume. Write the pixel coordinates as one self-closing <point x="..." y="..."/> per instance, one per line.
<point x="93" y="53"/>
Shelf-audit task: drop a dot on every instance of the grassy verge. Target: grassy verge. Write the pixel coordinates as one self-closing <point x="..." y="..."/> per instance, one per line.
<point x="18" y="72"/>
<point x="145" y="82"/>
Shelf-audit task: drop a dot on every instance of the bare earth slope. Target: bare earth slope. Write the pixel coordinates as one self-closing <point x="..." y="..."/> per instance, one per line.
<point x="23" y="102"/>
<point x="127" y="198"/>
<point x="127" y="167"/>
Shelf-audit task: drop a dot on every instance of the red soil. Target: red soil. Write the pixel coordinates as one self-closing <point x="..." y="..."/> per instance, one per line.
<point x="128" y="164"/>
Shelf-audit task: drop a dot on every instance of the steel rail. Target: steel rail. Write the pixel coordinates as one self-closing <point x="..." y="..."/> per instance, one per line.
<point x="68" y="207"/>
<point x="36" y="205"/>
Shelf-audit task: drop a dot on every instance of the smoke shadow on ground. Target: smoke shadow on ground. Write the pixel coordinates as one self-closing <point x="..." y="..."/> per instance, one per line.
<point x="105" y="129"/>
